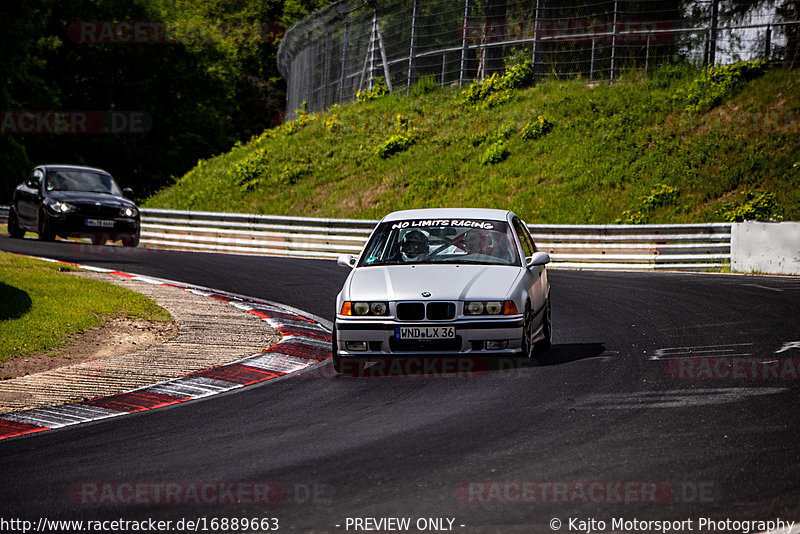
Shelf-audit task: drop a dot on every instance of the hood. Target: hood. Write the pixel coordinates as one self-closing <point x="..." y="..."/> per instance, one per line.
<point x="443" y="282"/>
<point x="83" y="197"/>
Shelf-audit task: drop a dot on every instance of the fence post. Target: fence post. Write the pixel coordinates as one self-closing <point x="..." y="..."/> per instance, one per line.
<point x="379" y="36"/>
<point x="535" y="52"/>
<point x="768" y="44"/>
<point x="614" y="40"/>
<point x="326" y="81"/>
<point x="444" y="66"/>
<point x="647" y="55"/>
<point x="368" y="59"/>
<point x="464" y="41"/>
<point x="343" y="66"/>
<point x="591" y="61"/>
<point x="712" y="44"/>
<point x="413" y="46"/>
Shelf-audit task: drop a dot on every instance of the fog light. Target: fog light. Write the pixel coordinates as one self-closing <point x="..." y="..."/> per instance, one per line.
<point x="356" y="345"/>
<point x="497" y="344"/>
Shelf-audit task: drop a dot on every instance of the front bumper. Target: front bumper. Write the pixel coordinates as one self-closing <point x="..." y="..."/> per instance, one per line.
<point x="473" y="337"/>
<point x="81" y="224"/>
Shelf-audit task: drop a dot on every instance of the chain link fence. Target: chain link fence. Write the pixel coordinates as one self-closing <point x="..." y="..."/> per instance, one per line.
<point x="343" y="48"/>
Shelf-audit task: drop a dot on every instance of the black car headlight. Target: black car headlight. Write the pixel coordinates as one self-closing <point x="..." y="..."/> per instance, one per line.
<point x="56" y="206"/>
<point x="128" y="212"/>
<point x="490" y="307"/>
<point x="362" y="308"/>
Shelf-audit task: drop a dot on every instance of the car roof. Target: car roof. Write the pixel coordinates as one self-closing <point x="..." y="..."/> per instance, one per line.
<point x="51" y="166"/>
<point x="449" y="213"/>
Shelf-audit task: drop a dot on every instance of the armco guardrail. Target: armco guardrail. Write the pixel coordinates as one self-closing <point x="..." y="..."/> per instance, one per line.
<point x="683" y="247"/>
<point x="253" y="234"/>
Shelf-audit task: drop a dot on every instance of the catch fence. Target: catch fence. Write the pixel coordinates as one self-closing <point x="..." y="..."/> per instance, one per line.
<point x="345" y="47"/>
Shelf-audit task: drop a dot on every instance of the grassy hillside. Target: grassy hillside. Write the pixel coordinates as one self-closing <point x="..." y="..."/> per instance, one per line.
<point x="677" y="146"/>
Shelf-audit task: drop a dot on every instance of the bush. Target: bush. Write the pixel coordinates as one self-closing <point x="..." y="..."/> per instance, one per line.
<point x="496" y="153"/>
<point x="536" y="129"/>
<point x="424" y="85"/>
<point x="660" y="195"/>
<point x="378" y="90"/>
<point x="708" y="91"/>
<point x="495" y="90"/>
<point x="753" y="206"/>
<point x="395" y="144"/>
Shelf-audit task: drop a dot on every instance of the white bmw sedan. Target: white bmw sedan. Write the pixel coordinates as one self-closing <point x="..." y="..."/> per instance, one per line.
<point x="443" y="282"/>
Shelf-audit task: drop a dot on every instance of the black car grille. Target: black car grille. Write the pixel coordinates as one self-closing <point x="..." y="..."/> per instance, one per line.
<point x="410" y="311"/>
<point x="425" y="345"/>
<point x="98" y="211"/>
<point x="433" y="311"/>
<point x="441" y="311"/>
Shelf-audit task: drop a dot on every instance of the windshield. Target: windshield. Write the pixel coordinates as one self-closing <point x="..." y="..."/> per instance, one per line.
<point x="90" y="182"/>
<point x="425" y="241"/>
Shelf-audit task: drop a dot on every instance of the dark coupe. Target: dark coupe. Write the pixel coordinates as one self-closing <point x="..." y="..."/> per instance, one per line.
<point x="66" y="200"/>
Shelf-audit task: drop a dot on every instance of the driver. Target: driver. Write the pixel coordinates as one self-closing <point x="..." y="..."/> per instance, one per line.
<point x="414" y="246"/>
<point x="479" y="242"/>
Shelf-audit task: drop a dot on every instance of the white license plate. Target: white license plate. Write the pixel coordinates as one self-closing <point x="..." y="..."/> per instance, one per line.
<point x="424" y="332"/>
<point x="99" y="222"/>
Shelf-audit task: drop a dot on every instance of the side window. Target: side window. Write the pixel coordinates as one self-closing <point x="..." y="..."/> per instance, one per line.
<point x="36" y="178"/>
<point x="528" y="247"/>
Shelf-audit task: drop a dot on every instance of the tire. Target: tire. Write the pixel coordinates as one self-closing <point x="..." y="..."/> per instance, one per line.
<point x="547" y="328"/>
<point x="527" y="332"/>
<point x="14" y="229"/>
<point x="131" y="240"/>
<point x="45" y="228"/>
<point x="342" y="365"/>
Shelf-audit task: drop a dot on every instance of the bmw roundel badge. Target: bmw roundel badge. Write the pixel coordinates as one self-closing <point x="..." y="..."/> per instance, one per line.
<point x="426" y="294"/>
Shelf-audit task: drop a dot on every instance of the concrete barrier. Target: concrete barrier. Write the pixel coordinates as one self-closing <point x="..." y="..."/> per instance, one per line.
<point x="771" y="248"/>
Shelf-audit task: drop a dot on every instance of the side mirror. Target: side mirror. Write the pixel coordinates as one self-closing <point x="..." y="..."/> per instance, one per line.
<point x="127" y="192"/>
<point x="539" y="258"/>
<point x="346" y="260"/>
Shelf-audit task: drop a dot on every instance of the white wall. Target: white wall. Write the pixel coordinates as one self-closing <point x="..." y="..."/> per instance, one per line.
<point x="772" y="248"/>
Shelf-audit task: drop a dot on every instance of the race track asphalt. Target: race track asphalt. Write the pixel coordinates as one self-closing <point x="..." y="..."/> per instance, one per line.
<point x="664" y="397"/>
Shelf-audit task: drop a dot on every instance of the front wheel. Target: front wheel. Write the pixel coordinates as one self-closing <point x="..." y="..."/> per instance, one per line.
<point x="527" y="332"/>
<point x="14" y="229"/>
<point x="131" y="240"/>
<point x="45" y="228"/>
<point x="547" y="328"/>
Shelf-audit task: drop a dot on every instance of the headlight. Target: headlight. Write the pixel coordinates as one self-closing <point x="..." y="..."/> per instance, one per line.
<point x="491" y="307"/>
<point x="128" y="212"/>
<point x="365" y="308"/>
<point x="60" y="207"/>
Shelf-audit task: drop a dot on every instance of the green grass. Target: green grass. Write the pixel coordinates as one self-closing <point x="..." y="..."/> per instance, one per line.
<point x="43" y="305"/>
<point x="559" y="152"/>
